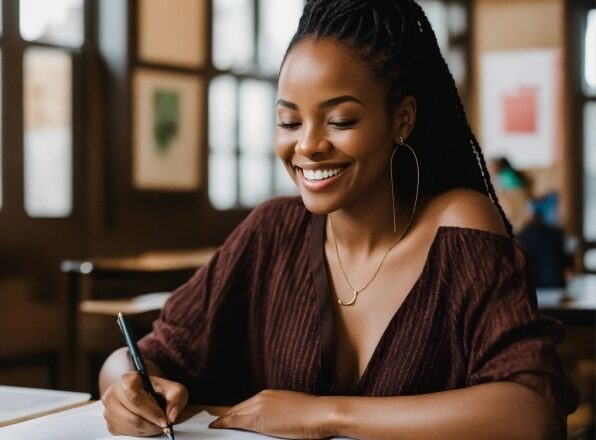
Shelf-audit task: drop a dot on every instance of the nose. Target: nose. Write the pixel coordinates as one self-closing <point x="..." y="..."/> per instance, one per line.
<point x="312" y="143"/>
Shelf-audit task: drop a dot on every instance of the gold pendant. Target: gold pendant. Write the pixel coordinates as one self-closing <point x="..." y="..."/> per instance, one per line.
<point x="352" y="301"/>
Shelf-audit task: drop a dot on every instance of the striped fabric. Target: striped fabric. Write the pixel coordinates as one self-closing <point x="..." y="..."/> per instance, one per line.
<point x="259" y="316"/>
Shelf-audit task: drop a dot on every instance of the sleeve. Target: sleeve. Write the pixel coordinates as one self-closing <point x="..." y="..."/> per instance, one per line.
<point x="200" y="337"/>
<point x="506" y="338"/>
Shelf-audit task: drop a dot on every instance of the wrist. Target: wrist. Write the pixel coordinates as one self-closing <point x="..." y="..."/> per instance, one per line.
<point x="335" y="416"/>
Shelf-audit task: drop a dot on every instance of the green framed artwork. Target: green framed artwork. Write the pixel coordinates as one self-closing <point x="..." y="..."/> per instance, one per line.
<point x="166" y="131"/>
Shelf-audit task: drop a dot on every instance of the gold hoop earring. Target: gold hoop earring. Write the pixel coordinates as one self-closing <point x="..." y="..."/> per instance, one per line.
<point x="356" y="292"/>
<point x="403" y="144"/>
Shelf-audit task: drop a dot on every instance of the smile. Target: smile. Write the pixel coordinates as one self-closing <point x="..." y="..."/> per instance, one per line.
<point x="319" y="175"/>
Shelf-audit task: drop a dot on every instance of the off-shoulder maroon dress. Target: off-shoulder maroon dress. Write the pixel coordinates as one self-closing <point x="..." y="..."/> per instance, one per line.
<point x="259" y="316"/>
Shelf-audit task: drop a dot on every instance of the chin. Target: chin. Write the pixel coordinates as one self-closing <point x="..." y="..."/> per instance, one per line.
<point x="320" y="204"/>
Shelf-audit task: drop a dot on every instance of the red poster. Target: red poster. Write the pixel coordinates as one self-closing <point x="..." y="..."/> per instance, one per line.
<point x="520" y="108"/>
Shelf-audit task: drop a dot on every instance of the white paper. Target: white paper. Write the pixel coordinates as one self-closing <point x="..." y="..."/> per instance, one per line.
<point x="87" y="423"/>
<point x="80" y="423"/>
<point x="16" y="402"/>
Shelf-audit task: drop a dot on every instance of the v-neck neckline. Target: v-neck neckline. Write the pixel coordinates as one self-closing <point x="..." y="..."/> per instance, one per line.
<point x="320" y="271"/>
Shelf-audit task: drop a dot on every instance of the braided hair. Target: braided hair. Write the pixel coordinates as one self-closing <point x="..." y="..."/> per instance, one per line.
<point x="395" y="41"/>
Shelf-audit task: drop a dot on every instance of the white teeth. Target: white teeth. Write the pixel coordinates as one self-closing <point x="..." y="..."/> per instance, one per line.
<point x="321" y="174"/>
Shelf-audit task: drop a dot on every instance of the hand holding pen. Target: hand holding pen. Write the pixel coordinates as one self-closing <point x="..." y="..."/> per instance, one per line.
<point x="129" y="382"/>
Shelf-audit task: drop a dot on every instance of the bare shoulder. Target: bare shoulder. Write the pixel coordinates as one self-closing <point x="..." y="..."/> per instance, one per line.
<point x="466" y="208"/>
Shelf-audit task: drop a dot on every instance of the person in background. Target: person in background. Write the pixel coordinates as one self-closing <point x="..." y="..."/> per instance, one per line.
<point x="514" y="190"/>
<point x="509" y="178"/>
<point x="389" y="300"/>
<point x="535" y="221"/>
<point x="544" y="242"/>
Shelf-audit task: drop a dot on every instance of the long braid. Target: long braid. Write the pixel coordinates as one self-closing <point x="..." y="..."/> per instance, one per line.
<point x="475" y="146"/>
<point x="395" y="40"/>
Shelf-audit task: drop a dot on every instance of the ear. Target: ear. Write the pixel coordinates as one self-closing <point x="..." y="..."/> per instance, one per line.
<point x="404" y="118"/>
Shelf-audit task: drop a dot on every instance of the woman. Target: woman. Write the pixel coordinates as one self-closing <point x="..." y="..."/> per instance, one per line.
<point x="389" y="301"/>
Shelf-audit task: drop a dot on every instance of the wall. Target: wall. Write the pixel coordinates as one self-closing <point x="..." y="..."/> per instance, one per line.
<point x="524" y="24"/>
<point x="126" y="220"/>
<point x="110" y="217"/>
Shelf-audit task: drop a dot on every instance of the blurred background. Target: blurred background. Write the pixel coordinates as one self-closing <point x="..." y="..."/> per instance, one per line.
<point x="137" y="134"/>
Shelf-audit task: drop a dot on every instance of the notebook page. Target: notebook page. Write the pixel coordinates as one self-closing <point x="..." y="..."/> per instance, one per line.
<point x="18" y="402"/>
<point x="87" y="423"/>
<point x="80" y="423"/>
<point x="197" y="428"/>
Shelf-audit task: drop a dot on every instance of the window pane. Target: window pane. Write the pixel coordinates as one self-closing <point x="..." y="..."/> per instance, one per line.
<point x="436" y="12"/>
<point x="255" y="179"/>
<point x="590" y="259"/>
<point x="56" y="21"/>
<point x="590" y="171"/>
<point x="222" y="180"/>
<point x="278" y="22"/>
<point x="257" y="121"/>
<point x="48" y="132"/>
<point x="233" y="34"/>
<point x="590" y="55"/>
<point x="222" y="113"/>
<point x="456" y="60"/>
<point x="457" y="16"/>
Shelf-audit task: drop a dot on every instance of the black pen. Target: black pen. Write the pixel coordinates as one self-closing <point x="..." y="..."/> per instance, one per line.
<point x="137" y="360"/>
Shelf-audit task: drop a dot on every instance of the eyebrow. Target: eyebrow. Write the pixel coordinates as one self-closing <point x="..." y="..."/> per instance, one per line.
<point x="325" y="104"/>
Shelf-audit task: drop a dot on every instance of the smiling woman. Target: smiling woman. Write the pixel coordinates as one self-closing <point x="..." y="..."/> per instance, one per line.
<point x="343" y="125"/>
<point x="389" y="300"/>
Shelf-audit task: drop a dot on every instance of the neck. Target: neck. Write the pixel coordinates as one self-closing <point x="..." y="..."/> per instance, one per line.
<point x="369" y="228"/>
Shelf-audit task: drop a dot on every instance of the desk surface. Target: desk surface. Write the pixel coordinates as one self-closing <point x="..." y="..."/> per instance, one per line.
<point x="155" y="261"/>
<point x="575" y="304"/>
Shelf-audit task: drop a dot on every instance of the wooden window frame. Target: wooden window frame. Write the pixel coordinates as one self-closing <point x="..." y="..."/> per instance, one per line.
<point x="575" y="19"/>
<point x="14" y="48"/>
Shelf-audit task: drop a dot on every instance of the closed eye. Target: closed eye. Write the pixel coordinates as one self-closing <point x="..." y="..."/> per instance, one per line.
<point x="343" y="125"/>
<point x="291" y="126"/>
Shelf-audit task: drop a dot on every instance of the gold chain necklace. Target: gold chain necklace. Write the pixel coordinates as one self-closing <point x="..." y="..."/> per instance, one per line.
<point x="356" y="292"/>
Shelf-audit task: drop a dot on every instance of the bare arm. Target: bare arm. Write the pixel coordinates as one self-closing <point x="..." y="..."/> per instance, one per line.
<point x="499" y="410"/>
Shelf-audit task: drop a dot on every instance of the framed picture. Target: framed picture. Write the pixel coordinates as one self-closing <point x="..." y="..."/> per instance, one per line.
<point x="520" y="97"/>
<point x="166" y="131"/>
<point x="172" y="32"/>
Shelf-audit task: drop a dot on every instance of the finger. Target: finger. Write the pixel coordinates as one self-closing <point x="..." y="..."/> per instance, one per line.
<point x="246" y="403"/>
<point x="134" y="398"/>
<point x="243" y="418"/>
<point x="130" y="424"/>
<point x="121" y="421"/>
<point x="229" y="421"/>
<point x="175" y="395"/>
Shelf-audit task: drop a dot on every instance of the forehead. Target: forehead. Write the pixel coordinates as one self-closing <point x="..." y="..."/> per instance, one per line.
<point x="319" y="68"/>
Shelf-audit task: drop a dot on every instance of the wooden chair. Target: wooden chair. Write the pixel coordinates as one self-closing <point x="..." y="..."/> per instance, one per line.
<point x="32" y="337"/>
<point x="577" y="310"/>
<point x="99" y="288"/>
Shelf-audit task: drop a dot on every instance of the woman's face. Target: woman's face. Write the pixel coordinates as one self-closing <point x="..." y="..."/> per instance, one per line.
<point x="334" y="133"/>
